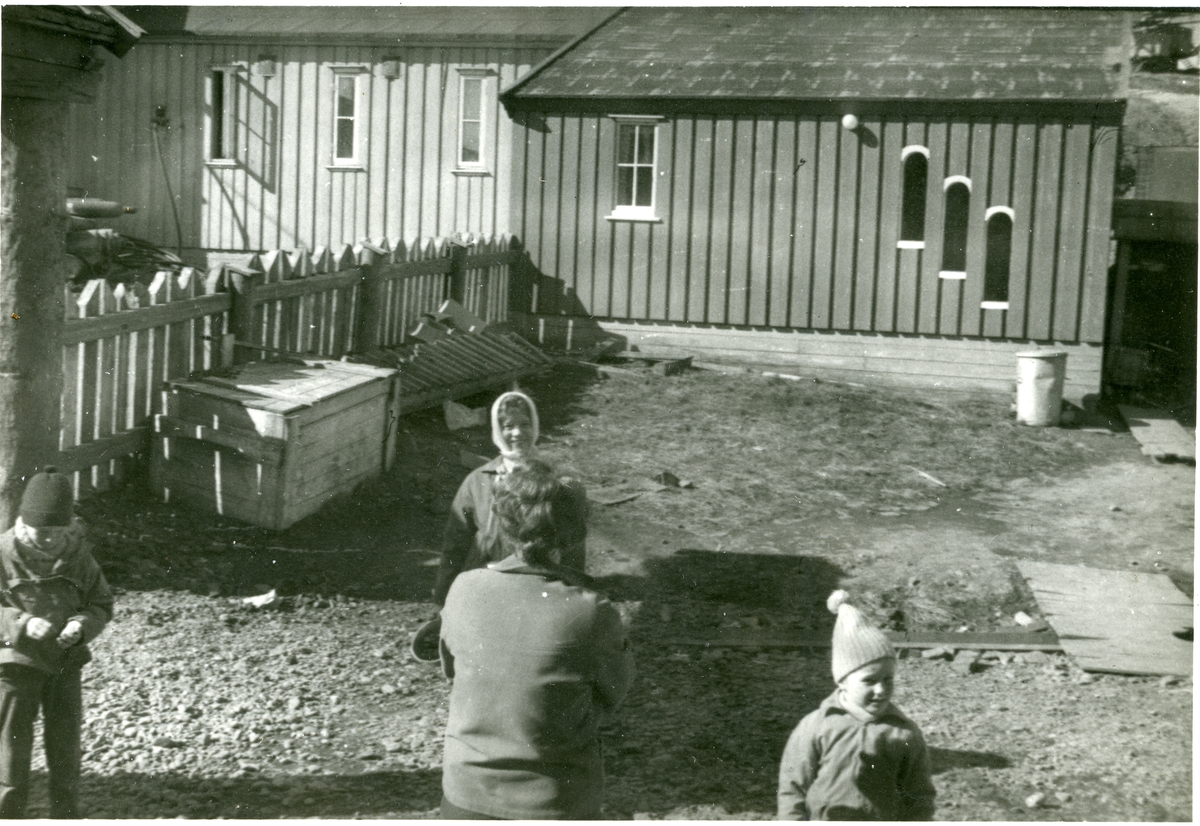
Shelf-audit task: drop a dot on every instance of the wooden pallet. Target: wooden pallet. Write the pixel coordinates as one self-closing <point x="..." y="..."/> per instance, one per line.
<point x="1122" y="622"/>
<point x="1159" y="434"/>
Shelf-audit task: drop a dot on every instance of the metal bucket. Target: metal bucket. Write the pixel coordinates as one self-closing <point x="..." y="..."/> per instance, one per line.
<point x="1040" y="377"/>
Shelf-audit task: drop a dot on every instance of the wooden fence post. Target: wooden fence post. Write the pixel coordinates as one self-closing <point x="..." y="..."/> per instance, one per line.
<point x="371" y="298"/>
<point x="241" y="313"/>
<point x="458" y="272"/>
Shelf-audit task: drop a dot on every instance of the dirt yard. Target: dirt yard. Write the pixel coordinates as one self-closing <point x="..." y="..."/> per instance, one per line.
<point x="202" y="706"/>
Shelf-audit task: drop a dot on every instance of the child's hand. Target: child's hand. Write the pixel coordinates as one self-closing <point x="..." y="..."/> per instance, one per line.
<point x="72" y="633"/>
<point x="37" y="628"/>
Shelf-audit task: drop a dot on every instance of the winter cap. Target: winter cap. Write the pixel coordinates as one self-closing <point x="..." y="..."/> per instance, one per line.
<point x="48" y="500"/>
<point x="497" y="436"/>
<point x="856" y="642"/>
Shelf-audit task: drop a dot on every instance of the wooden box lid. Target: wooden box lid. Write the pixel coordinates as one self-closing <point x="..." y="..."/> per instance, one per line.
<point x="285" y="387"/>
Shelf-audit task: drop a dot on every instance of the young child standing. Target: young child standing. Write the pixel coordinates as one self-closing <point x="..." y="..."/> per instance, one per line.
<point x="857" y="757"/>
<point x="53" y="601"/>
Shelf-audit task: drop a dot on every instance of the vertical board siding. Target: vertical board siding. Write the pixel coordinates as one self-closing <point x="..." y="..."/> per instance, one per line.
<point x="281" y="192"/>
<point x="793" y="222"/>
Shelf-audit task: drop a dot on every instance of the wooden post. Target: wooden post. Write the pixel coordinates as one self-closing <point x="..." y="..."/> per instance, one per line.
<point x="458" y="272"/>
<point x="241" y="313"/>
<point x="371" y="297"/>
<point x="33" y="244"/>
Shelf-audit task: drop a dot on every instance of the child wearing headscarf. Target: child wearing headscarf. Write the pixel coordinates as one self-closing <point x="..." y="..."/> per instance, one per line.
<point x="857" y="756"/>
<point x="54" y="600"/>
<point x="471" y="539"/>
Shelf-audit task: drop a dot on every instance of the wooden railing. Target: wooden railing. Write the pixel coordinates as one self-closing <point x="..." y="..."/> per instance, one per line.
<point x="123" y="343"/>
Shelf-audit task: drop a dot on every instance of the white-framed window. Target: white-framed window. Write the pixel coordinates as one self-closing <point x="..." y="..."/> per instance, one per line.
<point x="223" y="134"/>
<point x="349" y="114"/>
<point x="636" y="168"/>
<point x="999" y="257"/>
<point x="954" y="229"/>
<point x="912" y="197"/>
<point x="473" y="90"/>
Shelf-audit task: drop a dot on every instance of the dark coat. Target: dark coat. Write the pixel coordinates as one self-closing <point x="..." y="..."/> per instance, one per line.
<point x="536" y="662"/>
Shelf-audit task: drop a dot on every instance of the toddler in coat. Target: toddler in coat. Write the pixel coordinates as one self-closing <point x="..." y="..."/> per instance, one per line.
<point x="53" y="601"/>
<point x="857" y="757"/>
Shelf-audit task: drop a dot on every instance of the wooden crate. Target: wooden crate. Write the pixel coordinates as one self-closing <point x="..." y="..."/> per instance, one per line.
<point x="272" y="442"/>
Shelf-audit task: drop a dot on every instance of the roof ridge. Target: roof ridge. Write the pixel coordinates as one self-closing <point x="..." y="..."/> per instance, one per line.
<point x="536" y="70"/>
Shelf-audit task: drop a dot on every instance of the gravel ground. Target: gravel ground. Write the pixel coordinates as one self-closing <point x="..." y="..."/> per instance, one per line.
<point x="200" y="705"/>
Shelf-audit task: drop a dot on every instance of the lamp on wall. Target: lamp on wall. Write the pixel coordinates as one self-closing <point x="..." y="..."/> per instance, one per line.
<point x="265" y="66"/>
<point x="849" y="122"/>
<point x="391" y="68"/>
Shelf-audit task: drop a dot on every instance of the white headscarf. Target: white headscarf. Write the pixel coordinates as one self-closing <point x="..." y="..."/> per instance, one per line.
<point x="506" y="452"/>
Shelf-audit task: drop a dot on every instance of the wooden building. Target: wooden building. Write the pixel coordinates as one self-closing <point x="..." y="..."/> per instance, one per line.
<point x="269" y="127"/>
<point x="911" y="195"/>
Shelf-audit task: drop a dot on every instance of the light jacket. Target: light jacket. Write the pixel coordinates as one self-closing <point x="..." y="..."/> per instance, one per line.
<point x="535" y="661"/>
<point x="837" y="767"/>
<point x="471" y="539"/>
<point x="62" y="585"/>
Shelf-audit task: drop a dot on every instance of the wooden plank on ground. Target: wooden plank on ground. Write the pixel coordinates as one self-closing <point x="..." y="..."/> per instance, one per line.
<point x="1159" y="434"/>
<point x="982" y="641"/>
<point x="1122" y="622"/>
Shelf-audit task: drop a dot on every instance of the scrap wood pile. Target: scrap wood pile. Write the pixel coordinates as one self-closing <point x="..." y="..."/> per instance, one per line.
<point x="453" y="353"/>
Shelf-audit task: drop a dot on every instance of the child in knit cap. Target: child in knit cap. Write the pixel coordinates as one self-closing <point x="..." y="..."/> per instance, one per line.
<point x="53" y="601"/>
<point x="857" y="757"/>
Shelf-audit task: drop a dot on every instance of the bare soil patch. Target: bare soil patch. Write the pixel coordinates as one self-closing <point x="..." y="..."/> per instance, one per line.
<point x="201" y="706"/>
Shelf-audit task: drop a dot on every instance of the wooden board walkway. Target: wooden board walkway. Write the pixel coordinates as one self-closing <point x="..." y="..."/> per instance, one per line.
<point x="1121" y="622"/>
<point x="1159" y="434"/>
<point x="981" y="641"/>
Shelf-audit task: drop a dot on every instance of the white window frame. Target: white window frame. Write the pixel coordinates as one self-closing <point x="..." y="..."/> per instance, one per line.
<point x="987" y="216"/>
<point x="951" y="180"/>
<point x="479" y="75"/>
<point x="912" y="243"/>
<point x="228" y="116"/>
<point x="630" y="212"/>
<point x="355" y="72"/>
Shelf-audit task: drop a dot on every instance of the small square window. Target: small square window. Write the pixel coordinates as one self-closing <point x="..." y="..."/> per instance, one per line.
<point x="636" y="169"/>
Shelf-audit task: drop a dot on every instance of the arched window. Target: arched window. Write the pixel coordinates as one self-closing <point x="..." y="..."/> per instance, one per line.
<point x="954" y="233"/>
<point x="912" y="206"/>
<point x="999" y="256"/>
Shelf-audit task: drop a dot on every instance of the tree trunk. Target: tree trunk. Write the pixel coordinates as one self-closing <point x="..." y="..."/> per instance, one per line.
<point x="32" y="246"/>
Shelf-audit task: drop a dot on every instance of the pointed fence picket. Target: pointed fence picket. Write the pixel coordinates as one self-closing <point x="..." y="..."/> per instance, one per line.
<point x="122" y="344"/>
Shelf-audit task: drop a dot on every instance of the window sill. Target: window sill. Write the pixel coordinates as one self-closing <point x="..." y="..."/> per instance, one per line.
<point x="222" y="164"/>
<point x="993" y="305"/>
<point x="910" y="245"/>
<point x="345" y="167"/>
<point x="645" y="216"/>
<point x="471" y="173"/>
<point x="953" y="275"/>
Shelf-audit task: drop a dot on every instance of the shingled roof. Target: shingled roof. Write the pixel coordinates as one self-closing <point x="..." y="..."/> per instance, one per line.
<point x="369" y="23"/>
<point x="795" y="53"/>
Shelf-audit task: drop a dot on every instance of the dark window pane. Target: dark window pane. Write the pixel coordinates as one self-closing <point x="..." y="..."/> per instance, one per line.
<point x="912" y="215"/>
<point x="954" y="240"/>
<point x="645" y="149"/>
<point x="471" y="95"/>
<point x="345" y="103"/>
<point x="999" y="256"/>
<point x="624" y="186"/>
<point x="645" y="186"/>
<point x="625" y="135"/>
<point x="470" y="142"/>
<point x="345" y="139"/>
<point x="218" y="116"/>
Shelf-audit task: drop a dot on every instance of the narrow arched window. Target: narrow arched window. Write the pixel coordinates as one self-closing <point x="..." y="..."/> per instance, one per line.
<point x="912" y="206"/>
<point x="999" y="257"/>
<point x="954" y="234"/>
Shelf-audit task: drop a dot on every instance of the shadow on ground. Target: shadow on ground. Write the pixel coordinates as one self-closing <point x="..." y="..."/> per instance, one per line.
<point x="391" y="794"/>
<point x="688" y="718"/>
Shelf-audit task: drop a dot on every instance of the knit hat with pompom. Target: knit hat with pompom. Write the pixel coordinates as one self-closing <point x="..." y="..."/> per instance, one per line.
<point x="856" y="641"/>
<point x="48" y="500"/>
